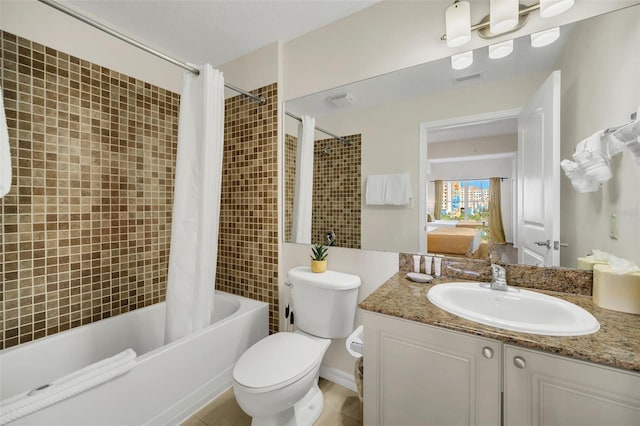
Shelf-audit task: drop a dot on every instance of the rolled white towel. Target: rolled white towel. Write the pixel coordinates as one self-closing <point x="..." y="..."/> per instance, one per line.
<point x="67" y="386"/>
<point x="579" y="182"/>
<point x="592" y="162"/>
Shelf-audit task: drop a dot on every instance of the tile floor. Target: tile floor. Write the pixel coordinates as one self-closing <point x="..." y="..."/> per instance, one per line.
<point x="341" y="407"/>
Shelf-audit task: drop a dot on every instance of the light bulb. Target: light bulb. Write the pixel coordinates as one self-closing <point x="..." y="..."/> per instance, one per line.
<point x="503" y="15"/>
<point x="546" y="37"/>
<point x="500" y="50"/>
<point x="462" y="60"/>
<point x="458" y="24"/>
<point x="549" y="8"/>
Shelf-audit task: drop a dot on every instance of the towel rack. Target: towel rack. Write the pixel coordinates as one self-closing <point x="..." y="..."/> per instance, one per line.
<point x="610" y="130"/>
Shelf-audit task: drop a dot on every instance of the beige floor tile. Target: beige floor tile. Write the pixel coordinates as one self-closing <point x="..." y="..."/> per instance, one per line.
<point x="341" y="407"/>
<point x="224" y="411"/>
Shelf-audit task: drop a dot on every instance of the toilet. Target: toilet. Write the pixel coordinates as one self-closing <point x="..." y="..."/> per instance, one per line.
<point x="276" y="380"/>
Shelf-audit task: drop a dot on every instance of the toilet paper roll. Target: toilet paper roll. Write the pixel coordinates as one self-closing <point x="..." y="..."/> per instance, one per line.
<point x="354" y="342"/>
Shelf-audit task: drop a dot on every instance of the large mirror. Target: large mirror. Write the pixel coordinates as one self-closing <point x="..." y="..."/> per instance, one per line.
<point x="438" y="136"/>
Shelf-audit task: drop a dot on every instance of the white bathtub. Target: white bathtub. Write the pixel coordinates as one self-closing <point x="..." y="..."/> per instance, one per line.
<point x="168" y="383"/>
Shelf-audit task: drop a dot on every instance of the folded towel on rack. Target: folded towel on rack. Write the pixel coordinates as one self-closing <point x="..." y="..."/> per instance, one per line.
<point x="398" y="190"/>
<point x="5" y="153"/>
<point x="375" y="191"/>
<point x="592" y="162"/>
<point x="579" y="182"/>
<point x="67" y="386"/>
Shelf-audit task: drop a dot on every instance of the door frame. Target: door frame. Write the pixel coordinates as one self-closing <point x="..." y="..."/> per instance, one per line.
<point x="425" y="168"/>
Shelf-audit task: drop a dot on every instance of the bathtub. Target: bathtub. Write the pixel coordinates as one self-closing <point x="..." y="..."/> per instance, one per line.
<point x="168" y="383"/>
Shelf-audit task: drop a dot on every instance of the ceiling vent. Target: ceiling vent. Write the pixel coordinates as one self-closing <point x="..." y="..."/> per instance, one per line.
<point x="467" y="77"/>
<point x="342" y="99"/>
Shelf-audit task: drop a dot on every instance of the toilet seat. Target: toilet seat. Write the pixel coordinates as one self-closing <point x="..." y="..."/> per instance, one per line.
<point x="277" y="361"/>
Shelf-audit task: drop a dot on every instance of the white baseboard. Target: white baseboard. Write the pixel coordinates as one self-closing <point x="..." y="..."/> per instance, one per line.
<point x="339" y="377"/>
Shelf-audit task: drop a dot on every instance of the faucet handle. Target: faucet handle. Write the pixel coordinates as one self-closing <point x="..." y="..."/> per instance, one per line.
<point x="498" y="271"/>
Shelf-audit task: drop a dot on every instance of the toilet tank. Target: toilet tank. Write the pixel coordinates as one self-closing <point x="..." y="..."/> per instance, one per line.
<point x="324" y="303"/>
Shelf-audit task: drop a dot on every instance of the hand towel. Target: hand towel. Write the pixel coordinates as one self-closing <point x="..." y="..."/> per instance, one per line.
<point x="67" y="386"/>
<point x="398" y="190"/>
<point x="5" y="153"/>
<point x="375" y="191"/>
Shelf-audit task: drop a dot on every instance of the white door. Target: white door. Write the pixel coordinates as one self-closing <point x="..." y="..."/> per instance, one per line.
<point x="539" y="176"/>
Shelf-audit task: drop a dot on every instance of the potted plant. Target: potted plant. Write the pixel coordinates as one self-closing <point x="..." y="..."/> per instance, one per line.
<point x="319" y="258"/>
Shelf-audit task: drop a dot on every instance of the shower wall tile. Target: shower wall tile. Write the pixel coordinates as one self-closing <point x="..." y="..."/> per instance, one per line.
<point x="86" y="226"/>
<point x="337" y="190"/>
<point x="248" y="242"/>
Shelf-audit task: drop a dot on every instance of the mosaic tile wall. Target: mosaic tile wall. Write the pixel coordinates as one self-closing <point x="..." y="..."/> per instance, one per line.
<point x="337" y="188"/>
<point x="86" y="226"/>
<point x="248" y="243"/>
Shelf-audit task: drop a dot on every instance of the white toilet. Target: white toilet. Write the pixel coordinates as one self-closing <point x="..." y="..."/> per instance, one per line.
<point x="276" y="380"/>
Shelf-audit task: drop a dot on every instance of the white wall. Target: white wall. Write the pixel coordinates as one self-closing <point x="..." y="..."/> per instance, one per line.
<point x="600" y="88"/>
<point x="45" y="25"/>
<point x="476" y="146"/>
<point x="392" y="35"/>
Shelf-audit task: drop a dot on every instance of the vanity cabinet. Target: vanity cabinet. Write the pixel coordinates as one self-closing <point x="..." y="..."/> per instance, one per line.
<point x="417" y="374"/>
<point x="545" y="389"/>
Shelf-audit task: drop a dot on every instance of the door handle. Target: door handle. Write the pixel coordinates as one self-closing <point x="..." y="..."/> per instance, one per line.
<point x="546" y="244"/>
<point x="558" y="244"/>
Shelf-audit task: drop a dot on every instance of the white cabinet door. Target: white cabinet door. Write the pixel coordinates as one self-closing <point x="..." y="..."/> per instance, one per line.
<point x="549" y="390"/>
<point x="416" y="374"/>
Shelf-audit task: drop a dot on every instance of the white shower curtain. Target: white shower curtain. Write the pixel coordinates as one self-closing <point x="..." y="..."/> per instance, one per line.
<point x="196" y="204"/>
<point x="5" y="153"/>
<point x="301" y="226"/>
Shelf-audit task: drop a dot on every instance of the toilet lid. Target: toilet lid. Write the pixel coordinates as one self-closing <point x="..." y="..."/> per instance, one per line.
<point x="277" y="359"/>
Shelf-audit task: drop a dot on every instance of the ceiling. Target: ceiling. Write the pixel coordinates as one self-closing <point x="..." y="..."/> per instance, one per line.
<point x="215" y="31"/>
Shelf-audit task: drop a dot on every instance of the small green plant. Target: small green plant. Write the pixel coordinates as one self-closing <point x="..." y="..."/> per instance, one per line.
<point x="319" y="252"/>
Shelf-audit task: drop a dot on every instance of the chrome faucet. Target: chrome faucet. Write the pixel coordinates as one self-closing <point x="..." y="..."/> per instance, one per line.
<point x="499" y="281"/>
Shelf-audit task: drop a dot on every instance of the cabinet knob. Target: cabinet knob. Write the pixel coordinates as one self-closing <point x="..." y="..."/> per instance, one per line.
<point x="487" y="352"/>
<point x="519" y="362"/>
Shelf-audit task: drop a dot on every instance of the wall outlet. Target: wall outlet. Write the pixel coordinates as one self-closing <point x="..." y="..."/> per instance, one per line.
<point x="613" y="226"/>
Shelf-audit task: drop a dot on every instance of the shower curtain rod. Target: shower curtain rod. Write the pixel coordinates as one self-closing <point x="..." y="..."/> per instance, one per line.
<point x="466" y="180"/>
<point x="340" y="138"/>
<point x="127" y="39"/>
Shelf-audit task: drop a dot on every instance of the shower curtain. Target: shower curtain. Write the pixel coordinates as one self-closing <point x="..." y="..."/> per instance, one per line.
<point x="302" y="201"/>
<point x="5" y="153"/>
<point x="196" y="204"/>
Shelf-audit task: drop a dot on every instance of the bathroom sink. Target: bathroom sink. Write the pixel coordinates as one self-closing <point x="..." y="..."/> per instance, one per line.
<point x="515" y="309"/>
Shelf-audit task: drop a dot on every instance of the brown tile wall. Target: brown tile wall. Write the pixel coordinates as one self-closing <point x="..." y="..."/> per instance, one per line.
<point x="248" y="243"/>
<point x="86" y="226"/>
<point x="336" y="190"/>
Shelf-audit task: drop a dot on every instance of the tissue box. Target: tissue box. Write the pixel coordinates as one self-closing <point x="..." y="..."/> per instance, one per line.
<point x="619" y="292"/>
<point x="588" y="262"/>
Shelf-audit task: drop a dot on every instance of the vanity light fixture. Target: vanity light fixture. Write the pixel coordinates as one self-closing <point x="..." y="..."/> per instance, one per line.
<point x="503" y="15"/>
<point x="458" y="23"/>
<point x="549" y="8"/>
<point x="545" y="38"/>
<point x="462" y="60"/>
<point x="500" y="50"/>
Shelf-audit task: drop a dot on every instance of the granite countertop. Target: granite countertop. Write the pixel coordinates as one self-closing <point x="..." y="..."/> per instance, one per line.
<point x="616" y="344"/>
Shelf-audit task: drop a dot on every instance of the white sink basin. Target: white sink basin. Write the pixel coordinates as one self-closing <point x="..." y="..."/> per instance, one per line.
<point x="517" y="310"/>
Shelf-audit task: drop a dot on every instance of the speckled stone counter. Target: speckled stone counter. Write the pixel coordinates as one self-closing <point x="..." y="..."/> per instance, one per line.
<point x="616" y="344"/>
